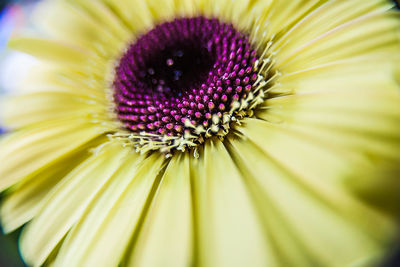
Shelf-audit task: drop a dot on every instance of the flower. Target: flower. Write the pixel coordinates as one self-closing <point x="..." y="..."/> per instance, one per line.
<point x="205" y="133"/>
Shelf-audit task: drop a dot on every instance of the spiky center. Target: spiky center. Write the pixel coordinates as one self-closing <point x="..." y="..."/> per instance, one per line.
<point x="183" y="81"/>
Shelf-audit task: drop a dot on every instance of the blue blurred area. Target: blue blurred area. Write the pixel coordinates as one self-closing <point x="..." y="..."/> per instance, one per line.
<point x="9" y="255"/>
<point x="4" y="30"/>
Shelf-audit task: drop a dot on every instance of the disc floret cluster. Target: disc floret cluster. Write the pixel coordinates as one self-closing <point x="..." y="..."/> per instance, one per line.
<point x="184" y="81"/>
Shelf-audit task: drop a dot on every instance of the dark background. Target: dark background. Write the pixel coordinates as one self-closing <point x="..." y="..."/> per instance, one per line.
<point x="9" y="256"/>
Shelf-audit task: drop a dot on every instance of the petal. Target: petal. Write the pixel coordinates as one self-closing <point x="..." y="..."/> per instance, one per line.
<point x="27" y="109"/>
<point x="353" y="74"/>
<point x="65" y="206"/>
<point x="24" y="201"/>
<point x="228" y="228"/>
<point x="136" y="14"/>
<point x="324" y="18"/>
<point x="102" y="14"/>
<point x="49" y="50"/>
<point x="360" y="121"/>
<point x="167" y="231"/>
<point x="162" y="11"/>
<point x="69" y="23"/>
<point x="88" y="81"/>
<point x="311" y="216"/>
<point x="108" y="224"/>
<point x="372" y="33"/>
<point x="32" y="149"/>
<point x="282" y="14"/>
<point x="236" y="12"/>
<point x="271" y="19"/>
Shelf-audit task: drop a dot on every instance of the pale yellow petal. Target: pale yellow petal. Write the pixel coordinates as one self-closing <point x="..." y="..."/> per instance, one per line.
<point x="186" y="8"/>
<point x="65" y="206"/>
<point x="77" y="80"/>
<point x="285" y="244"/>
<point x="30" y="150"/>
<point x="349" y="230"/>
<point x="372" y="33"/>
<point x="23" y="110"/>
<point x="136" y="14"/>
<point x="49" y="50"/>
<point x="69" y="24"/>
<point x="24" y="201"/>
<point x="105" y="16"/>
<point x="229" y="230"/>
<point x="239" y="13"/>
<point x="109" y="222"/>
<point x="162" y="11"/>
<point x="271" y="19"/>
<point x="166" y="237"/>
<point x="283" y="14"/>
<point x="353" y="74"/>
<point x="325" y="18"/>
<point x="362" y="121"/>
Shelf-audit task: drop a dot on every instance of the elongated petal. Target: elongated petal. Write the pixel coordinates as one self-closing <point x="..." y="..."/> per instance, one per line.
<point x="77" y="27"/>
<point x="229" y="230"/>
<point x="327" y="16"/>
<point x="23" y="110"/>
<point x="310" y="221"/>
<point x="32" y="149"/>
<point x="370" y="34"/>
<point x="365" y="122"/>
<point x="106" y="228"/>
<point x="24" y="201"/>
<point x="66" y="204"/>
<point x="352" y="75"/>
<point x="168" y="228"/>
<point x="49" y="50"/>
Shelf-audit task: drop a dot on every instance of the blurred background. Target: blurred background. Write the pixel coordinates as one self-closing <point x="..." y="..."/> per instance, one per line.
<point x="13" y="16"/>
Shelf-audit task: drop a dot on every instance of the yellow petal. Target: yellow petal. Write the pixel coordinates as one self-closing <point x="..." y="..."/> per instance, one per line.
<point x="30" y="150"/>
<point x="344" y="75"/>
<point x="49" y="50"/>
<point x="134" y="13"/>
<point x="162" y="11"/>
<point x="284" y="13"/>
<point x="325" y="18"/>
<point x="65" y="206"/>
<point x="369" y="34"/>
<point x="69" y="24"/>
<point x="23" y="110"/>
<point x="362" y="121"/>
<point x="21" y="203"/>
<point x="313" y="214"/>
<point x="66" y="79"/>
<point x="167" y="229"/>
<point x="105" y="16"/>
<point x="104" y="232"/>
<point x="229" y="230"/>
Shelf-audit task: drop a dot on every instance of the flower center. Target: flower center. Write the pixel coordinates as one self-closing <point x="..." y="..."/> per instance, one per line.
<point x="183" y="81"/>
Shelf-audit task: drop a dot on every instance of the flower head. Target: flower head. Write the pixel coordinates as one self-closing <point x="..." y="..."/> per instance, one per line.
<point x="185" y="81"/>
<point x="205" y="133"/>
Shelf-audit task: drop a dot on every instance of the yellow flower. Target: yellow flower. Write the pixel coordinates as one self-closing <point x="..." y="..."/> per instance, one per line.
<point x="205" y="133"/>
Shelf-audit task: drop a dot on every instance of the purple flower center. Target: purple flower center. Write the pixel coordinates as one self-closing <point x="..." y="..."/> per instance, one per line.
<point x="183" y="74"/>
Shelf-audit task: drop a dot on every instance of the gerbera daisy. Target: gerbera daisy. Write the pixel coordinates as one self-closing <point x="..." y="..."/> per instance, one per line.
<point x="205" y="133"/>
